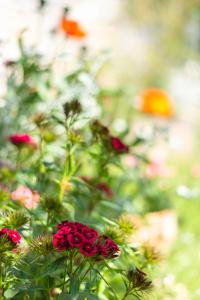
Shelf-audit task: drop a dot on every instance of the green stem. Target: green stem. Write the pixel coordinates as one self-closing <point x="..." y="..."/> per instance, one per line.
<point x="81" y="263"/>
<point x="71" y="263"/>
<point x="66" y="173"/>
<point x="1" y="281"/>
<point x="41" y="148"/>
<point x="64" y="281"/>
<point x="85" y="274"/>
<point x="40" y="161"/>
<point x="48" y="220"/>
<point x="107" y="284"/>
<point x="126" y="295"/>
<point x="71" y="271"/>
<point x="18" y="159"/>
<point x="62" y="285"/>
<point x="129" y="291"/>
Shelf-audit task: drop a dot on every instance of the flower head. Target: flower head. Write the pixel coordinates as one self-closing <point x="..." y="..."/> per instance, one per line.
<point x="75" y="235"/>
<point x="130" y="161"/>
<point x="72" y="28"/>
<point x="11" y="238"/>
<point x="106" y="247"/>
<point x="60" y="239"/>
<point x="88" y="249"/>
<point x="139" y="279"/>
<point x="72" y="235"/>
<point x="75" y="239"/>
<point x="72" y="226"/>
<point x="22" y="139"/>
<point x="102" y="186"/>
<point x="25" y="196"/>
<point x="99" y="130"/>
<point x="89" y="234"/>
<point x="118" y="146"/>
<point x="156" y="102"/>
<point x="156" y="169"/>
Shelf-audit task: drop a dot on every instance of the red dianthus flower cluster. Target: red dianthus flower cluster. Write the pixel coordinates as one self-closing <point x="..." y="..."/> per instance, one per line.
<point x="76" y="235"/>
<point x="13" y="236"/>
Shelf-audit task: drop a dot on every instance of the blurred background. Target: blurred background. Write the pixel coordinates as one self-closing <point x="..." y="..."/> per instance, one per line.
<point x="142" y="44"/>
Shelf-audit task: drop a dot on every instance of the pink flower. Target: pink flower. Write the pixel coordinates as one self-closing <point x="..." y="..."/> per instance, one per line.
<point x="156" y="169"/>
<point x="26" y="197"/>
<point x="131" y="161"/>
<point x="22" y="139"/>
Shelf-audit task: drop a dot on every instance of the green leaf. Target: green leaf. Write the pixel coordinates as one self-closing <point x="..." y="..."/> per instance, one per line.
<point x="109" y="221"/>
<point x="110" y="205"/>
<point x="65" y="296"/>
<point x="87" y="296"/>
<point x="10" y="293"/>
<point x="138" y="141"/>
<point x="79" y="296"/>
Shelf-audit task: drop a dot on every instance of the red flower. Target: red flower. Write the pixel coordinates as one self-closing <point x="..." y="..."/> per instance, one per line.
<point x="72" y="28"/>
<point x="118" y="146"/>
<point x="104" y="188"/>
<point x="12" y="235"/>
<point x="113" y="249"/>
<point x="107" y="248"/>
<point x="102" y="249"/>
<point x="75" y="239"/>
<point x="90" y="234"/>
<point x="88" y="249"/>
<point x="21" y="139"/>
<point x="72" y="226"/>
<point x="60" y="239"/>
<point x="74" y="234"/>
<point x="63" y="224"/>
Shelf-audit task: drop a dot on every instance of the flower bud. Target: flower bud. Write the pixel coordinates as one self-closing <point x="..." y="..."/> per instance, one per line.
<point x="138" y="279"/>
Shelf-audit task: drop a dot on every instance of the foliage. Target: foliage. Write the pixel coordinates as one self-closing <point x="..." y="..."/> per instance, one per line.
<point x="61" y="163"/>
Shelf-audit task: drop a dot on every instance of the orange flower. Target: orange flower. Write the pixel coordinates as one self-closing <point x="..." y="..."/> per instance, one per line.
<point x="156" y="102"/>
<point x="72" y="28"/>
